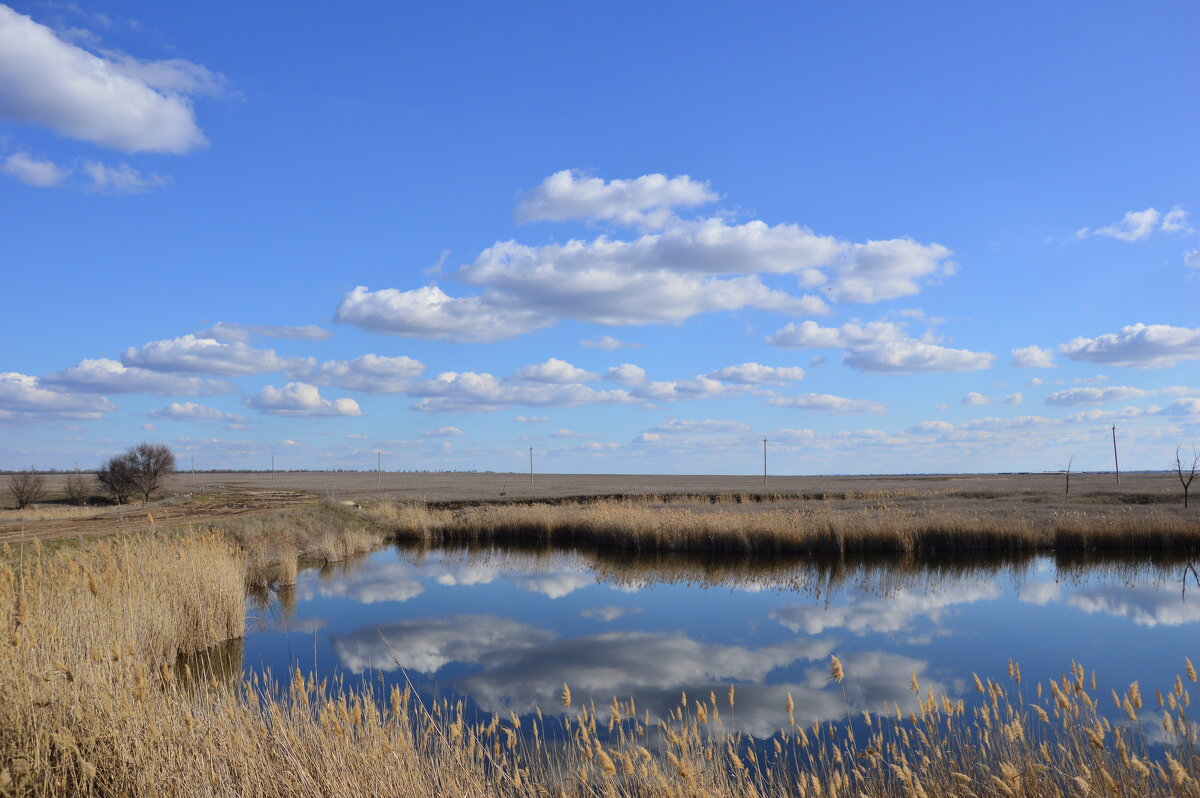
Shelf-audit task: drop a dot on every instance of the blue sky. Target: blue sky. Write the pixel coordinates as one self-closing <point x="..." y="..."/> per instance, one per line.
<point x="640" y="237"/>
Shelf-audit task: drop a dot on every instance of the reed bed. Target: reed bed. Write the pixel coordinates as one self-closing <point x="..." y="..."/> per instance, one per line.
<point x="278" y="544"/>
<point x="820" y="527"/>
<point x="93" y="702"/>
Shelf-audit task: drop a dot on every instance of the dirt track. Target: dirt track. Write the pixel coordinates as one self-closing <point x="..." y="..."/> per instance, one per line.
<point x="206" y="508"/>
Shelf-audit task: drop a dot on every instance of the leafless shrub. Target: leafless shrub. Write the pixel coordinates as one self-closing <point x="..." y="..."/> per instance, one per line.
<point x="1186" y="474"/>
<point x="77" y="489"/>
<point x="26" y="488"/>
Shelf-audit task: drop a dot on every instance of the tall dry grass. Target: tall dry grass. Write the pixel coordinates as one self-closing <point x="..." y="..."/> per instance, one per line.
<point x="91" y="705"/>
<point x="818" y="527"/>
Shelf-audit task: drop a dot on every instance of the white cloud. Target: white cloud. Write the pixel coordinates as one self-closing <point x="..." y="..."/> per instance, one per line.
<point x="1182" y="407"/>
<point x="609" y="612"/>
<point x="32" y="172"/>
<point x="300" y="399"/>
<point x="905" y="357"/>
<point x="1191" y="259"/>
<point x="369" y="373"/>
<point x="1133" y="226"/>
<point x="644" y="201"/>
<point x="46" y="81"/>
<point x="975" y="399"/>
<point x="469" y="391"/>
<point x="207" y="356"/>
<point x="828" y="403"/>
<point x="553" y="371"/>
<point x="241" y="333"/>
<point x="932" y="428"/>
<point x="1093" y="396"/>
<point x="754" y="374"/>
<point x="681" y="390"/>
<point x="191" y="411"/>
<point x="443" y="432"/>
<point x="896" y="613"/>
<point x="690" y="267"/>
<point x="626" y="374"/>
<point x="430" y="313"/>
<point x="1032" y="357"/>
<point x="1175" y="221"/>
<point x="683" y="426"/>
<point x="123" y="179"/>
<point x="879" y="346"/>
<point x="530" y="419"/>
<point x="1013" y="399"/>
<point x="102" y="375"/>
<point x="881" y="270"/>
<point x="607" y="343"/>
<point x="570" y="433"/>
<point x="22" y="397"/>
<point x="1143" y="346"/>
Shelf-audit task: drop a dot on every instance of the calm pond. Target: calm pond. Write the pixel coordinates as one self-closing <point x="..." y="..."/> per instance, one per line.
<point x="502" y="630"/>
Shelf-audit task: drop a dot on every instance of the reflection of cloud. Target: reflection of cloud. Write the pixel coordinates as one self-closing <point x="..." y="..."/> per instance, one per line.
<point x="426" y="644"/>
<point x="609" y="612"/>
<point x="1039" y="593"/>
<point x="462" y="574"/>
<point x="308" y="625"/>
<point x="376" y="582"/>
<point x="523" y="667"/>
<point x="553" y="585"/>
<point x="893" y="614"/>
<point x="1145" y="606"/>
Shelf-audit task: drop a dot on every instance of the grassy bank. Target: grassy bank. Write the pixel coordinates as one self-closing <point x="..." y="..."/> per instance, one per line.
<point x="89" y="705"/>
<point x="858" y="524"/>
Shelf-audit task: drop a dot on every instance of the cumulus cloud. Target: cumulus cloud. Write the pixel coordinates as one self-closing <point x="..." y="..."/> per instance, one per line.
<point x="299" y="399"/>
<point x="828" y="403"/>
<point x="207" y="356"/>
<point x="121" y="179"/>
<point x="1137" y="225"/>
<point x="879" y="346"/>
<point x="754" y="374"/>
<point x="32" y="172"/>
<point x="1143" y="346"/>
<point x="1093" y="396"/>
<point x="192" y="411"/>
<point x="369" y="373"/>
<point x="688" y="267"/>
<point x="443" y="432"/>
<point x="608" y="343"/>
<point x="530" y="419"/>
<point x="429" y="312"/>
<point x="1191" y="259"/>
<point x="1013" y="399"/>
<point x="912" y="356"/>
<point x="1032" y="357"/>
<point x="644" y="201"/>
<point x="117" y="103"/>
<point x="553" y="371"/>
<point x="23" y="397"/>
<point x="677" y="426"/>
<point x="975" y="399"/>
<point x="680" y="390"/>
<point x="469" y="391"/>
<point x="626" y="374"/>
<point x="241" y="333"/>
<point x="570" y="433"/>
<point x="102" y="375"/>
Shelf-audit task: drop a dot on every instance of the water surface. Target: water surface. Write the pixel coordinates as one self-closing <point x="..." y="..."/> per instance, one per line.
<point x="503" y="630"/>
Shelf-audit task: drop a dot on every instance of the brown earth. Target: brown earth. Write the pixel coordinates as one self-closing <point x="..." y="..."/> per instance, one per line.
<point x="215" y="496"/>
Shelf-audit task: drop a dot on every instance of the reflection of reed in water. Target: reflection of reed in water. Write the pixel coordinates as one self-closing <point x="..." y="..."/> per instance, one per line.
<point x="219" y="665"/>
<point x="818" y="575"/>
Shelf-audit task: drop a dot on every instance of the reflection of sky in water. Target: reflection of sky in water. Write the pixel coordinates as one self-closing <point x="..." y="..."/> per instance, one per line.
<point x="504" y="633"/>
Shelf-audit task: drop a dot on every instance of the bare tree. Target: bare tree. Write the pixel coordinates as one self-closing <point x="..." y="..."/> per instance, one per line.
<point x="153" y="463"/>
<point x="26" y="487"/>
<point x="1070" y="463"/>
<point x="1186" y="474"/>
<point x="77" y="489"/>
<point x="116" y="477"/>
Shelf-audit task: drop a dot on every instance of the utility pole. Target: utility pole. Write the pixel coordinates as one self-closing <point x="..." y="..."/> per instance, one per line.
<point x="193" y="474"/>
<point x="378" y="467"/>
<point x="530" y="465"/>
<point x="272" y="469"/>
<point x="764" y="460"/>
<point x="1116" y="463"/>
